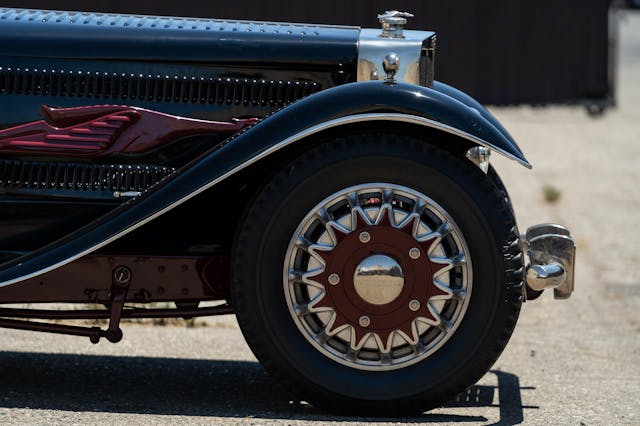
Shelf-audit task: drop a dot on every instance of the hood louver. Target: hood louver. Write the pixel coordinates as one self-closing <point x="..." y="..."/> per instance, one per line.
<point x="131" y="87"/>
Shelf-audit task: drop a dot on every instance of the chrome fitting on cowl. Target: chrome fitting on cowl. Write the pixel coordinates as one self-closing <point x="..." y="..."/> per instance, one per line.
<point x="393" y="22"/>
<point x="551" y="251"/>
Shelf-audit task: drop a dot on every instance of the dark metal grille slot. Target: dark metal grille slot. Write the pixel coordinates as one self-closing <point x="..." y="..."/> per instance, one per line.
<point x="134" y="87"/>
<point x="18" y="175"/>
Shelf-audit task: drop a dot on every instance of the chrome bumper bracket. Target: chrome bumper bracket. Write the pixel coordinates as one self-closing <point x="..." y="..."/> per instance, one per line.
<point x="551" y="251"/>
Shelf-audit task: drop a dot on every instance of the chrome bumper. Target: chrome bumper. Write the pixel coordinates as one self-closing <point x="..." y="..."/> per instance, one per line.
<point x="552" y="252"/>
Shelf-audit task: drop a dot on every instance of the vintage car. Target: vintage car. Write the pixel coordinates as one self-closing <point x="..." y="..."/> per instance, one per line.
<point x="314" y="180"/>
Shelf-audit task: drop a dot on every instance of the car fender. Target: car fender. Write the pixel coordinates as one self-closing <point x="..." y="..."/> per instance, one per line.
<point x="350" y="103"/>
<point x="473" y="104"/>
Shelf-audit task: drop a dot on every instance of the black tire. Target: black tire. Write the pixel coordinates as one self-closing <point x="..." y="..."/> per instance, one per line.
<point x="481" y="211"/>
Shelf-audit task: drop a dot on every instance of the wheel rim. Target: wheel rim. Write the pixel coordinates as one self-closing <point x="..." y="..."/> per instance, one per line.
<point x="377" y="276"/>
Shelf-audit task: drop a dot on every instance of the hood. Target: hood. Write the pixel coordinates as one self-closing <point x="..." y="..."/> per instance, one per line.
<point x="79" y="35"/>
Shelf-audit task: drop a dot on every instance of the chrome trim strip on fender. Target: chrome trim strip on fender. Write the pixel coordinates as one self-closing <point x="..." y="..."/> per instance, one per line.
<point x="291" y="139"/>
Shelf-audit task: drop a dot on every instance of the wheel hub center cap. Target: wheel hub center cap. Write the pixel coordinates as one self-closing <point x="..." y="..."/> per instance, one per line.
<point x="378" y="279"/>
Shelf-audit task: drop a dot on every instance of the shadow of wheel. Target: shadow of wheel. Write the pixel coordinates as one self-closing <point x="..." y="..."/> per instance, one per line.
<point x="194" y="387"/>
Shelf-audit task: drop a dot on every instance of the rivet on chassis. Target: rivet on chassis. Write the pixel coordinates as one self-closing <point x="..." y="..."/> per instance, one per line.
<point x="414" y="305"/>
<point x="364" y="237"/>
<point x="414" y="253"/>
<point x="334" y="279"/>
<point x="364" y="321"/>
<point x="122" y="275"/>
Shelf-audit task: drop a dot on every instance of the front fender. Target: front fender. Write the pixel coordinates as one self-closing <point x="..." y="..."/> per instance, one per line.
<point x="472" y="103"/>
<point x="443" y="108"/>
<point x="333" y="107"/>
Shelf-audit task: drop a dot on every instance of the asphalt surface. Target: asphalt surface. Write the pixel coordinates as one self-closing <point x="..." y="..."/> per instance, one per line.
<point x="569" y="362"/>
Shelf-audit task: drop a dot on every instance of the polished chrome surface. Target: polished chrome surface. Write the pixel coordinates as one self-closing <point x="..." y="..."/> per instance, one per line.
<point x="414" y="305"/>
<point x="126" y="194"/>
<point x="542" y="277"/>
<point x="334" y="279"/>
<point x="378" y="279"/>
<point x="302" y="264"/>
<point x="357" y="118"/>
<point x="393" y="23"/>
<point x="364" y="237"/>
<point x="414" y="253"/>
<point x="391" y="64"/>
<point x="364" y="321"/>
<point x="551" y="251"/>
<point x="372" y="50"/>
<point x="480" y="156"/>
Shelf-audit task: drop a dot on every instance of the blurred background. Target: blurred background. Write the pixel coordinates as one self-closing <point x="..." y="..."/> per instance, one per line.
<point x="503" y="52"/>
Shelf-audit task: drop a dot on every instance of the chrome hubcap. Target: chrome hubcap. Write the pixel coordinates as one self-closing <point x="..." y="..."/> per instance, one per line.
<point x="377" y="276"/>
<point x="378" y="279"/>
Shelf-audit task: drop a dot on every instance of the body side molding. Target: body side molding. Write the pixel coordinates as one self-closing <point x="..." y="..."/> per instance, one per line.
<point x="350" y="103"/>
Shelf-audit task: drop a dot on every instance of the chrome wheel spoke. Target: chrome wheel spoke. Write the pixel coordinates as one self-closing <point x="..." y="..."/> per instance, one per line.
<point x="302" y="310"/>
<point x="309" y="308"/>
<point x="357" y="346"/>
<point x="305" y="278"/>
<point x="332" y="227"/>
<point x="352" y="354"/>
<point x="359" y="212"/>
<point x="459" y="293"/>
<point x="418" y="207"/>
<point x="444" y="288"/>
<point x="322" y="337"/>
<point x="414" y="338"/>
<point x="418" y="348"/>
<point x="413" y="217"/>
<point x="384" y="347"/>
<point x="385" y="210"/>
<point x="323" y="216"/>
<point x="387" y="195"/>
<point x="444" y="326"/>
<point x="352" y="199"/>
<point x="314" y="249"/>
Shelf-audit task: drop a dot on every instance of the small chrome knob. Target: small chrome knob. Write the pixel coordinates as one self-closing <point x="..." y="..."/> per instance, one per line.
<point x="391" y="64"/>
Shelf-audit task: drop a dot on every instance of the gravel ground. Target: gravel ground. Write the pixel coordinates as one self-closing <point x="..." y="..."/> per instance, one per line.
<point x="569" y="362"/>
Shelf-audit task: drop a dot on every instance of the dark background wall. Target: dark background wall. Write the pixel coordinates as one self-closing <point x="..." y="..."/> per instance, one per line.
<point x="500" y="51"/>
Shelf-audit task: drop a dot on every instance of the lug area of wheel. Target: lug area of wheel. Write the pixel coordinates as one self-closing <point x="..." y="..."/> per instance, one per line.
<point x="334" y="279"/>
<point x="373" y="295"/>
<point x="364" y="321"/>
<point x="414" y="253"/>
<point x="414" y="305"/>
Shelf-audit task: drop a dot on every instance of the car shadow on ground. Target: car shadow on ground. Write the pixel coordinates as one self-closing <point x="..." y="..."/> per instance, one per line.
<point x="193" y="387"/>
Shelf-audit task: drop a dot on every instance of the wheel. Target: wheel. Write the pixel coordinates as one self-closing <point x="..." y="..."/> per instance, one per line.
<point x="377" y="275"/>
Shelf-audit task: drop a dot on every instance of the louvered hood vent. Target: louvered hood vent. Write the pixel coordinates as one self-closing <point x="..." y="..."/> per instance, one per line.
<point x="132" y="87"/>
<point x="57" y="179"/>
